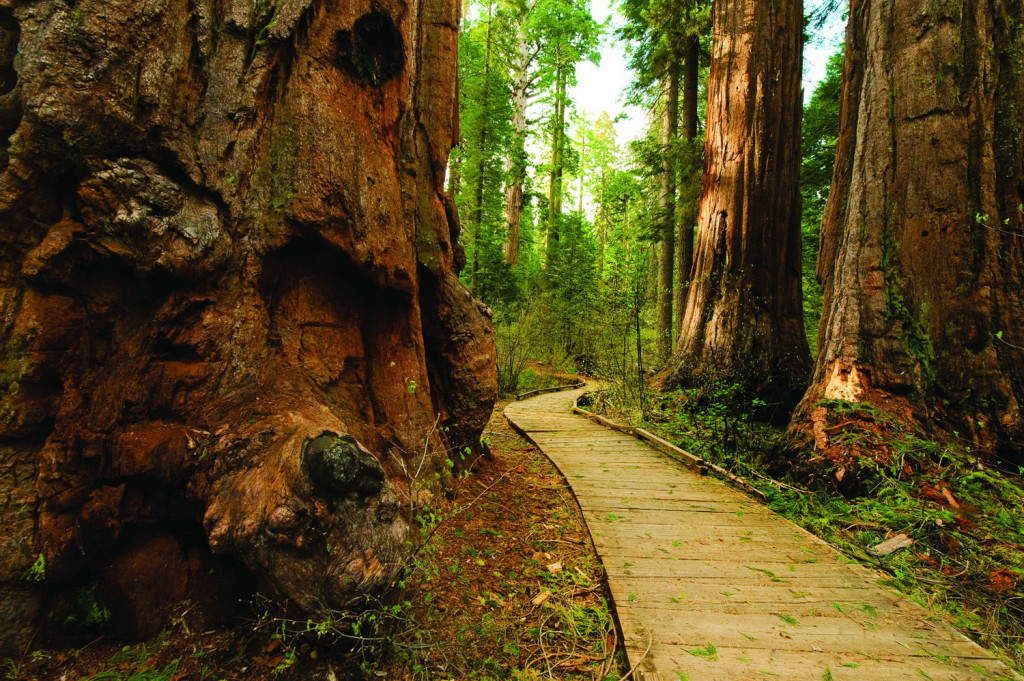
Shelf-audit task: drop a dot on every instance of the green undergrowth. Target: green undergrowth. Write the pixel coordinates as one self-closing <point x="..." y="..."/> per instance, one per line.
<point x="136" y="663"/>
<point x="534" y="380"/>
<point x="964" y="514"/>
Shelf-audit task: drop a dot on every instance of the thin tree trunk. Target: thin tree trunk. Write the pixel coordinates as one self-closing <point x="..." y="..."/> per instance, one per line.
<point x="922" y="240"/>
<point x="477" y="215"/>
<point x="743" y="320"/>
<point x="688" y="218"/>
<point x="454" y="178"/>
<point x="517" y="163"/>
<point x="602" y="229"/>
<point x="666" y="268"/>
<point x="555" y="179"/>
<point x="582" y="173"/>
<point x="478" y="193"/>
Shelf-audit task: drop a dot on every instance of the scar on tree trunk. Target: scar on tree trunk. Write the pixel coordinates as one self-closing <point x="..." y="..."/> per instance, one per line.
<point x="922" y="242"/>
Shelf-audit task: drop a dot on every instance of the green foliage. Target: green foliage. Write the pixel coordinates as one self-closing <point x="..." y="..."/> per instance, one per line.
<point x="136" y="663"/>
<point x="820" y="133"/>
<point x="87" y="610"/>
<point x="515" y="338"/>
<point x="708" y="652"/>
<point x="37" y="572"/>
<point x="485" y="113"/>
<point x="655" y="33"/>
<point x="717" y="422"/>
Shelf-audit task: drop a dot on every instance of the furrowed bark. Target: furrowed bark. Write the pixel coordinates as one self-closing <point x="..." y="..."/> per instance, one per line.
<point x="922" y="243"/>
<point x="688" y="214"/>
<point x="229" y="300"/>
<point x="743" y="318"/>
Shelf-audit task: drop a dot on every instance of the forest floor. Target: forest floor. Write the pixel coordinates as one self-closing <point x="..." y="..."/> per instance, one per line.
<point x="507" y="587"/>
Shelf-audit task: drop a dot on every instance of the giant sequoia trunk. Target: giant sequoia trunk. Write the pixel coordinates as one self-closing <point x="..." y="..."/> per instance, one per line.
<point x="743" y="319"/>
<point x="228" y="299"/>
<point x="922" y="242"/>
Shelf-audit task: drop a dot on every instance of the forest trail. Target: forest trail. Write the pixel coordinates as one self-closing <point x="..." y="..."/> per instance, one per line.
<point x="713" y="586"/>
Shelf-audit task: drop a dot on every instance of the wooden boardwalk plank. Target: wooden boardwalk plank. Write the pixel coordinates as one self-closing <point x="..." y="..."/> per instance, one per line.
<point x="693" y="563"/>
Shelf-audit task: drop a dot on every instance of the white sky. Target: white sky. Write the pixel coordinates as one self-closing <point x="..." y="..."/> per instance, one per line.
<point x="602" y="88"/>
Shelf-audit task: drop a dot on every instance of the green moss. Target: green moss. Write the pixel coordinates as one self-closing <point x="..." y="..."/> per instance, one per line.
<point x="283" y="153"/>
<point x="914" y="328"/>
<point x="15" y="366"/>
<point x="37" y="572"/>
<point x="264" y="33"/>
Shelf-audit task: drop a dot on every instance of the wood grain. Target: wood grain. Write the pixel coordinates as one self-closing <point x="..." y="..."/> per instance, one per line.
<point x="692" y="562"/>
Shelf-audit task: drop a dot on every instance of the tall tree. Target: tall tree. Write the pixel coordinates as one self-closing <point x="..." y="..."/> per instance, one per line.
<point x="530" y="62"/>
<point x="689" y="175"/>
<point x="667" y="203"/>
<point x="572" y="35"/>
<point x="604" y="153"/>
<point x="922" y="244"/>
<point x="521" y="60"/>
<point x="743" y="320"/>
<point x="482" y="128"/>
<point x="557" y="168"/>
<point x="486" y="114"/>
<point x="659" y="34"/>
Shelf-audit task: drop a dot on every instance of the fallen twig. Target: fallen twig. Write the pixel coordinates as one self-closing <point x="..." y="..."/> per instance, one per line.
<point x="780" y="485"/>
<point x="650" y="642"/>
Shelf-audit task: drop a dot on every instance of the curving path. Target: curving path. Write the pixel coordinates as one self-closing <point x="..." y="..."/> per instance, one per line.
<point x="709" y="585"/>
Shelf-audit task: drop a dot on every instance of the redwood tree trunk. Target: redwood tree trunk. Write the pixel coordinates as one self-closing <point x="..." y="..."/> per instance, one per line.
<point x="743" y="319"/>
<point x="229" y="299"/>
<point x="688" y="214"/>
<point x="922" y="242"/>
<point x="667" y="204"/>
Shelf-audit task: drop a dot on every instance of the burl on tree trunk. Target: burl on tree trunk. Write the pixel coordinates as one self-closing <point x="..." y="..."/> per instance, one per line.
<point x="743" y="320"/>
<point x="922" y="242"/>
<point x="229" y="299"/>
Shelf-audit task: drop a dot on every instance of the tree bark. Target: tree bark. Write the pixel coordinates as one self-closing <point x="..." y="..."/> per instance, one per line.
<point x="517" y="164"/>
<point x="667" y="205"/>
<point x="922" y="242"/>
<point x="602" y="228"/>
<point x="688" y="217"/>
<point x="555" y="181"/>
<point x="743" y="320"/>
<point x="232" y="321"/>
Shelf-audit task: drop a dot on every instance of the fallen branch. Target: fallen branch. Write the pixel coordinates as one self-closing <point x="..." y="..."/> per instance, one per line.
<point x="780" y="485"/>
<point x="650" y="642"/>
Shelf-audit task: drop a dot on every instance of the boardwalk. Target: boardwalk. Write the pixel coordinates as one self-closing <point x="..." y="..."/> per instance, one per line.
<point x="709" y="585"/>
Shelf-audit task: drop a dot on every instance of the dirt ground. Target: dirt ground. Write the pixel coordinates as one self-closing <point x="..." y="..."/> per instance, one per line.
<point x="507" y="587"/>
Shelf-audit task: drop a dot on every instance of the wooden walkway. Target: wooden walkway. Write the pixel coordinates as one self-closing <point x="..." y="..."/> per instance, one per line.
<point x="712" y="586"/>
